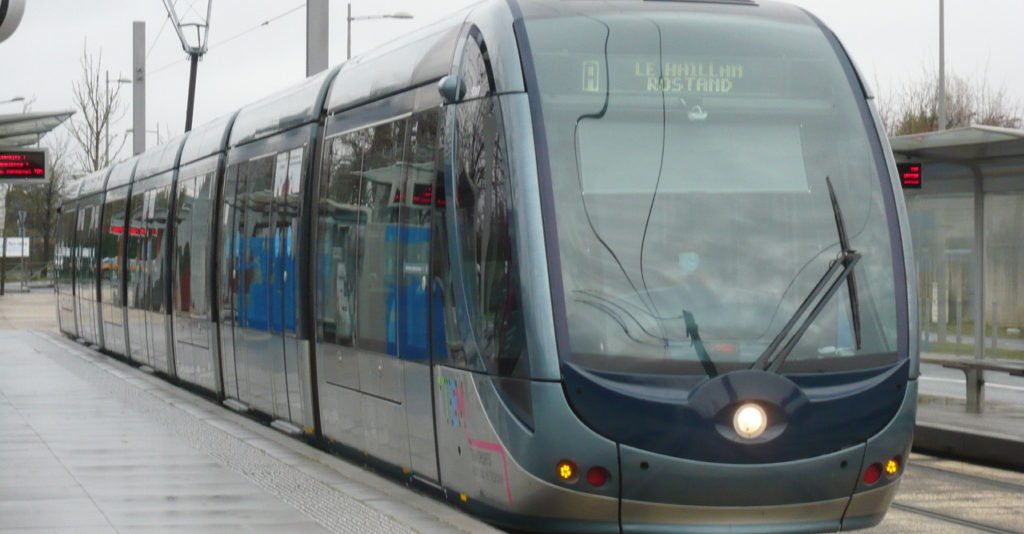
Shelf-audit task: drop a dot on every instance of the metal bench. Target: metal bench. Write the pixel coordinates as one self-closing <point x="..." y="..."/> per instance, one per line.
<point x="973" y="369"/>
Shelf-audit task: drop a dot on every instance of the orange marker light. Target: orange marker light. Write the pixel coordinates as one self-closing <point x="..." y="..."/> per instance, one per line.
<point x="892" y="467"/>
<point x="566" y="470"/>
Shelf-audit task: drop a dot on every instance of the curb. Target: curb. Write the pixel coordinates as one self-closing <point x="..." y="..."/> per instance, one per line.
<point x="988" y="448"/>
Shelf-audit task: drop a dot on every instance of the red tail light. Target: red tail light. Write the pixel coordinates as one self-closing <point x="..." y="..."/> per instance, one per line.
<point x="872" y="473"/>
<point x="598" y="476"/>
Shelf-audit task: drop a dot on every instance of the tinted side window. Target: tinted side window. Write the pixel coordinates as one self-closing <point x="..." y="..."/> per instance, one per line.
<point x="475" y="68"/>
<point x="488" y="284"/>
<point x="338" y="221"/>
<point x="113" y="231"/>
<point x="379" y="199"/>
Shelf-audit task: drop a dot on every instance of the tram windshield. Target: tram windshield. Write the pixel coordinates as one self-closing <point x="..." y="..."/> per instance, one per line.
<point x="692" y="157"/>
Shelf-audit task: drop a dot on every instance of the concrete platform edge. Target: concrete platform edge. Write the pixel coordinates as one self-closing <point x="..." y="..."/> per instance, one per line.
<point x="1004" y="451"/>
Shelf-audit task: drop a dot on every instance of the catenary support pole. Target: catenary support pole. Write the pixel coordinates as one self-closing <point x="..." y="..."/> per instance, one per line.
<point x="317" y="33"/>
<point x="942" y="65"/>
<point x="191" y="92"/>
<point x="138" y="87"/>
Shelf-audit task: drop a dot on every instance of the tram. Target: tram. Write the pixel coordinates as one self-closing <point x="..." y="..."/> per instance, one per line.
<point x="576" y="266"/>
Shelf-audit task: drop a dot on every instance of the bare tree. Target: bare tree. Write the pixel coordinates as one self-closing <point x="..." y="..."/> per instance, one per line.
<point x="914" y="108"/>
<point x="99" y="106"/>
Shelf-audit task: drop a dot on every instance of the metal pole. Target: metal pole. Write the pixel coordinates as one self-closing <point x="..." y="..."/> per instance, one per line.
<point x="979" y="267"/>
<point x="943" y="295"/>
<point x="959" y="324"/>
<point x="976" y="377"/>
<point x="22" y="214"/>
<point x="942" y="65"/>
<point x="995" y="327"/>
<point x="191" y="94"/>
<point x="106" y="127"/>
<point x="139" y="87"/>
<point x="317" y="32"/>
<point x="348" y="34"/>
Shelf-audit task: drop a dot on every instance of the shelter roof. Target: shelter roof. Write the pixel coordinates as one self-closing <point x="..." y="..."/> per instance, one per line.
<point x="954" y="158"/>
<point x="23" y="129"/>
<point x="962" y="145"/>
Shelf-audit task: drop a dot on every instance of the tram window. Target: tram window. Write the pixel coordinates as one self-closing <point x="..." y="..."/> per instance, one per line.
<point x="156" y="233"/>
<point x="254" y="273"/>
<point x="202" y="215"/>
<point x="113" y="231"/>
<point x="482" y="210"/>
<point x="382" y="175"/>
<point x="692" y="172"/>
<point x="475" y="68"/>
<point x="184" y="209"/>
<point x="338" y="242"/>
<point x="136" y="249"/>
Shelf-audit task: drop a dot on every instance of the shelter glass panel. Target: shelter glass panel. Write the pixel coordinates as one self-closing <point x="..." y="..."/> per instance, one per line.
<point x="943" y="230"/>
<point x="1004" y="274"/>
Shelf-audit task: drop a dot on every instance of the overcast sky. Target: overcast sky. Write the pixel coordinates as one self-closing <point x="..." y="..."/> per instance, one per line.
<point x="892" y="41"/>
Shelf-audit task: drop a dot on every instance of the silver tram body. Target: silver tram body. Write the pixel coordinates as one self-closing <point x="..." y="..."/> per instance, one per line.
<point x="537" y="257"/>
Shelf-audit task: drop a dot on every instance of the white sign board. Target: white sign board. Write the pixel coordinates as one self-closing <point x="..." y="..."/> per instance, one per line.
<point x="17" y="247"/>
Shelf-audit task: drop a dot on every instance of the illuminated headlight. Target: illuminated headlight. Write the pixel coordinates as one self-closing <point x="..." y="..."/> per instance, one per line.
<point x="750" y="421"/>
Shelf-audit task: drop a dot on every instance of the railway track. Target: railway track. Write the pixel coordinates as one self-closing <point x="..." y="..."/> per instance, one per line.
<point x="946" y="518"/>
<point x="956" y="497"/>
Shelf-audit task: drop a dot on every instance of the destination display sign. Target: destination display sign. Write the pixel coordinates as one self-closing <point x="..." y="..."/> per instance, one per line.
<point x="22" y="166"/>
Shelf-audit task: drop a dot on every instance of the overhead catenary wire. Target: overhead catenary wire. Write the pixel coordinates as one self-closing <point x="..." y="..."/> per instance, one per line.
<point x="229" y="39"/>
<point x="159" y="33"/>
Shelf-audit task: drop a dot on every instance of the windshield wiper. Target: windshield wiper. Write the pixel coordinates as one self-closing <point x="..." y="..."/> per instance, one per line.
<point x="839" y="271"/>
<point x="698" y="345"/>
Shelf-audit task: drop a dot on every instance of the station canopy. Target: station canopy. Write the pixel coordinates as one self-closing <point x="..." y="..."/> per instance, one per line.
<point x="24" y="129"/>
<point x="964" y="173"/>
<point x="955" y="158"/>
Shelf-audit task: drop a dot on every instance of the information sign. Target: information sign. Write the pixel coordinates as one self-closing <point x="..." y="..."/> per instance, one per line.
<point x="17" y="247"/>
<point x="22" y="166"/>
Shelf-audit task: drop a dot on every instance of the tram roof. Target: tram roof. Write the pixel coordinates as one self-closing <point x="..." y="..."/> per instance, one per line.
<point x="121" y="174"/>
<point x="280" y="111"/>
<point x="160" y="159"/>
<point x="207" y="139"/>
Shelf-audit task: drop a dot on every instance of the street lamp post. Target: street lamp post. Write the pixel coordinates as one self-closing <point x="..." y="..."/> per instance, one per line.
<point x="942" y="65"/>
<point x="106" y="156"/>
<point x="396" y="15"/>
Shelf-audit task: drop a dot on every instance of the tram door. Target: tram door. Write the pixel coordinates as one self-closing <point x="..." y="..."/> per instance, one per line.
<point x="414" y="289"/>
<point x="284" y="312"/>
<point x="260" y="345"/>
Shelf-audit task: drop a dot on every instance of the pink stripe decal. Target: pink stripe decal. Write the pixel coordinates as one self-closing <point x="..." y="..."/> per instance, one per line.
<point x="494" y="447"/>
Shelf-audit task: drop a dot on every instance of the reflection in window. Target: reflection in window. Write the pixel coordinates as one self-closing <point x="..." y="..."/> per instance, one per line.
<point x="489" y="287"/>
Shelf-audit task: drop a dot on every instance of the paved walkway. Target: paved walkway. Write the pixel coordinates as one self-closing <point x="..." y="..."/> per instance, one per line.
<point x="91" y="445"/>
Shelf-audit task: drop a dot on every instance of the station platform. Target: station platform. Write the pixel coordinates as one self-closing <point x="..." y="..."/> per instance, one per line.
<point x="91" y="445"/>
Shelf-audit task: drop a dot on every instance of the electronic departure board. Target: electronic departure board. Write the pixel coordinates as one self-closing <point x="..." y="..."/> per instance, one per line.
<point x="22" y="166"/>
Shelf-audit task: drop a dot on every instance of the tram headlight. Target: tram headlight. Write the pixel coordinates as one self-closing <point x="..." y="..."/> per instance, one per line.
<point x="750" y="421"/>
